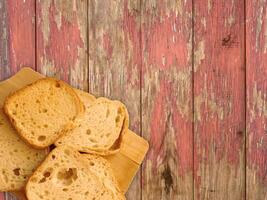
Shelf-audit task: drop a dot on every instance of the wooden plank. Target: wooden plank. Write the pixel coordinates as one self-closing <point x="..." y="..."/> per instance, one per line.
<point x="17" y="46"/>
<point x="256" y="54"/>
<point x="114" y="59"/>
<point x="62" y="40"/>
<point x="219" y="100"/>
<point x="167" y="99"/>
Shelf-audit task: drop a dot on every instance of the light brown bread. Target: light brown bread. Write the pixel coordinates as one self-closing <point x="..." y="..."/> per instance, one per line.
<point x="17" y="159"/>
<point x="65" y="175"/>
<point x="43" y="111"/>
<point x="86" y="98"/>
<point x="100" y="129"/>
<point x="102" y="169"/>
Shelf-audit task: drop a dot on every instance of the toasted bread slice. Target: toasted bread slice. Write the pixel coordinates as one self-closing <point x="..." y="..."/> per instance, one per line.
<point x="102" y="169"/>
<point x="18" y="160"/>
<point x="65" y="175"/>
<point x="100" y="129"/>
<point x="43" y="111"/>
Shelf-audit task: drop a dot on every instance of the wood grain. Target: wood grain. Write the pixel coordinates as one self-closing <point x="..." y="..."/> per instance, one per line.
<point x="62" y="40"/>
<point x="17" y="46"/>
<point x="256" y="45"/>
<point x="219" y="100"/>
<point x="167" y="99"/>
<point x="114" y="59"/>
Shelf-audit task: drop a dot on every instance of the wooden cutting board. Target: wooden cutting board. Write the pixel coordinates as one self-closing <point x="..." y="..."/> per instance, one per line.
<point x="125" y="163"/>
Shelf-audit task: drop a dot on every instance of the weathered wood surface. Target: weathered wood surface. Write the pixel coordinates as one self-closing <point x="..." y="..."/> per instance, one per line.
<point x="219" y="100"/>
<point x="17" y="41"/>
<point x="62" y="40"/>
<point x="167" y="99"/>
<point x="192" y="87"/>
<point x="256" y="54"/>
<point x="115" y="60"/>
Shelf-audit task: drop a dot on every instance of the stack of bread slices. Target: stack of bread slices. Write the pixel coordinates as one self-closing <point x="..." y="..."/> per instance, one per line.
<point x="55" y="145"/>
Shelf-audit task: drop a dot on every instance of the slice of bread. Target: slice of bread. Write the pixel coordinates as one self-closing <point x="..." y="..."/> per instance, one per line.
<point x="100" y="129"/>
<point x="65" y="175"/>
<point x="86" y="98"/>
<point x="18" y="160"/>
<point x="102" y="169"/>
<point x="43" y="111"/>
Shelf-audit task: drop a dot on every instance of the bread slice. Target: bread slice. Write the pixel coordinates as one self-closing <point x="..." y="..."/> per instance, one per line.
<point x="86" y="98"/>
<point x="43" y="111"/>
<point x="65" y="175"/>
<point x="17" y="159"/>
<point x="102" y="169"/>
<point x="100" y="129"/>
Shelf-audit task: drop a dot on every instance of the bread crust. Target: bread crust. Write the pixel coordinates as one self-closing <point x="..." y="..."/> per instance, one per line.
<point x="65" y="129"/>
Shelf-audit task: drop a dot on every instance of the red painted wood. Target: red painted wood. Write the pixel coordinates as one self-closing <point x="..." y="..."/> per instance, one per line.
<point x="219" y="100"/>
<point x="256" y="42"/>
<point x="167" y="99"/>
<point x="17" y="46"/>
<point x="115" y="61"/>
<point x="62" y="40"/>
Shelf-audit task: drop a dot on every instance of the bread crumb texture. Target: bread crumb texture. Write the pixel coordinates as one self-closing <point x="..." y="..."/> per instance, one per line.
<point x="42" y="111"/>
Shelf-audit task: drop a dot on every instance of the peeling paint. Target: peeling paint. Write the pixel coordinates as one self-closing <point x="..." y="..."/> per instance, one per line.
<point x="199" y="55"/>
<point x="259" y="103"/>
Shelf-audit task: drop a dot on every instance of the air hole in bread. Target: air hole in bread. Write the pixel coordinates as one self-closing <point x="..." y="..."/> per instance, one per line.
<point x="69" y="198"/>
<point x="14" y="113"/>
<point x="15" y="150"/>
<point x="119" y="110"/>
<point x="86" y="193"/>
<point x="46" y="192"/>
<point x="53" y="157"/>
<point x="47" y="174"/>
<point x="92" y="163"/>
<point x="108" y="134"/>
<point x="65" y="189"/>
<point x="16" y="105"/>
<point x="58" y="85"/>
<point x="67" y="176"/>
<point x="44" y="110"/>
<point x="41" y="138"/>
<point x="32" y="132"/>
<point x="88" y="132"/>
<point x="16" y="171"/>
<point x="42" y="180"/>
<point x="117" y="119"/>
<point x="12" y="185"/>
<point x="46" y="126"/>
<point x="102" y="135"/>
<point x="37" y="101"/>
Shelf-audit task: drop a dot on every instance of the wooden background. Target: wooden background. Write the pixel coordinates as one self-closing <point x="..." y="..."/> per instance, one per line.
<point x="193" y="74"/>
